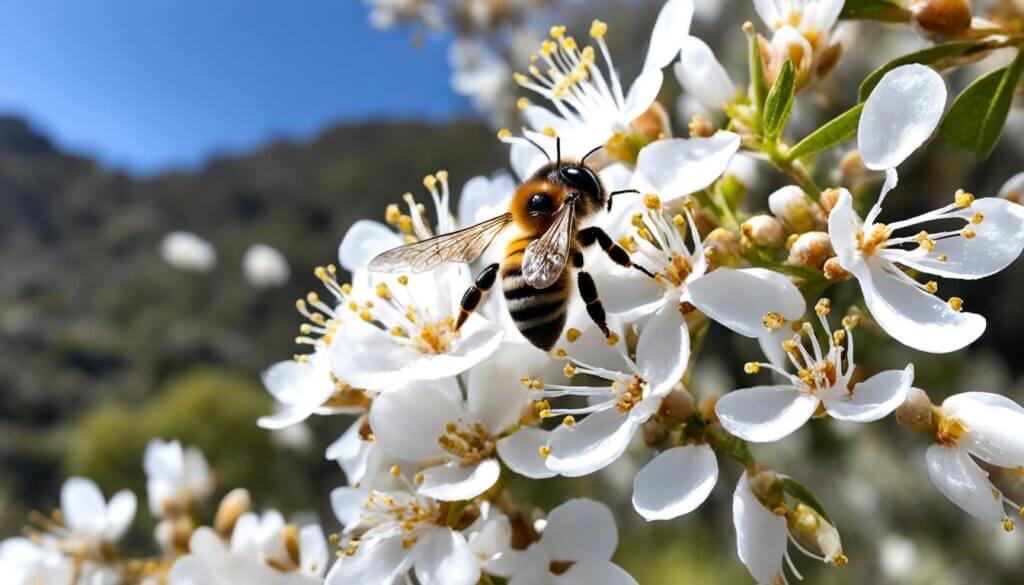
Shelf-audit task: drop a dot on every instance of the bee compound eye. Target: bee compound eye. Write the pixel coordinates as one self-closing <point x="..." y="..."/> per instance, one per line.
<point x="541" y="203"/>
<point x="583" y="179"/>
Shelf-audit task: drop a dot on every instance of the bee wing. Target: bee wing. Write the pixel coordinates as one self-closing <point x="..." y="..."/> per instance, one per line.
<point x="545" y="257"/>
<point x="464" y="245"/>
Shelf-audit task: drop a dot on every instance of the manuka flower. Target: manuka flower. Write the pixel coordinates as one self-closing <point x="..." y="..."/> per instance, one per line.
<point x="822" y="381"/>
<point x="802" y="32"/>
<point x="177" y="479"/>
<point x="900" y="114"/>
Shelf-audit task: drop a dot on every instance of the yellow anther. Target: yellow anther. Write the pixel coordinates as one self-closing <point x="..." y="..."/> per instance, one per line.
<point x="560" y="352"/>
<point x="943" y="258"/>
<point x="547" y="47"/>
<point x="751" y="367"/>
<point x="383" y="292"/>
<point x="612" y="338"/>
<point x="569" y="420"/>
<point x="442" y="175"/>
<point x="963" y="199"/>
<point x="537" y="384"/>
<point x="300" y="305"/>
<point x="931" y="286"/>
<point x="525" y="381"/>
<point x="522" y="103"/>
<point x="841" y="560"/>
<point x="569" y="370"/>
<point x="305" y="329"/>
<point x="977" y="218"/>
<point x="352" y="306"/>
<point x="679" y="220"/>
<point x="773" y="321"/>
<point x="430" y="181"/>
<point x="396" y="470"/>
<point x="557" y="32"/>
<point x="534" y="71"/>
<point x="312" y="298"/>
<point x="408" y="542"/>
<point x="544" y="451"/>
<point x="346" y="289"/>
<point x="572" y="334"/>
<point x="398" y="331"/>
<point x="366" y="316"/>
<point x="652" y="202"/>
<point x="404" y="224"/>
<point x="823" y="307"/>
<point x="851" y="321"/>
<point x="968" y="233"/>
<point x="956" y="303"/>
<point x="838" y="337"/>
<point x="1008" y="525"/>
<point x="320" y="272"/>
<point x="549" y="132"/>
<point x="925" y="240"/>
<point x="419" y="478"/>
<point x="504" y="134"/>
<point x="569" y="44"/>
<point x="392" y="214"/>
<point x="598" y="29"/>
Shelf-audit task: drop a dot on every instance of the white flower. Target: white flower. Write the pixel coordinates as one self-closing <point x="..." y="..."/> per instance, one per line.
<point x="822" y="379"/>
<point x="634" y="391"/>
<point x="306" y="386"/>
<point x="490" y="539"/>
<point x="807" y="16"/>
<point x="681" y="166"/>
<point x="187" y="251"/>
<point x="480" y="74"/>
<point x="576" y="548"/>
<point x="900" y="114"/>
<point x="24" y="562"/>
<point x="985" y="426"/>
<point x="265" y="267"/>
<point x="89" y="521"/>
<point x="405" y="330"/>
<point x="263" y="551"/>
<point x="703" y="77"/>
<point x="393" y="532"/>
<point x="356" y="452"/>
<point x="177" y="479"/>
<point x="802" y="32"/>
<point x="590" y="105"/>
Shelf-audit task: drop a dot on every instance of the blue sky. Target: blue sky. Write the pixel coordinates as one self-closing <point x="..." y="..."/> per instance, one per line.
<point x="147" y="85"/>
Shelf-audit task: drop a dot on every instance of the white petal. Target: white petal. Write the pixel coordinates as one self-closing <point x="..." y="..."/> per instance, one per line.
<point x="409" y="421"/>
<point x="680" y="166"/>
<point x="483" y="198"/>
<point x="443" y="557"/>
<point x="520" y="451"/>
<point x="999" y="241"/>
<point x="764" y="414"/>
<point x="768" y="10"/>
<point x="591" y="444"/>
<point x="351" y="452"/>
<point x="675" y="482"/>
<point x="702" y="76"/>
<point x="364" y="240"/>
<point x="120" y="513"/>
<point x="495" y="395"/>
<point x="453" y="482"/>
<point x="492" y="545"/>
<point x="960" y="479"/>
<point x="760" y="535"/>
<point x="83" y="506"/>
<point x="900" y="115"/>
<point x="843" y="225"/>
<point x="663" y="350"/>
<point x="595" y="573"/>
<point x="994" y="426"/>
<point x="873" y="398"/>
<point x="378" y="561"/>
<point x="580" y="530"/>
<point x="912" y="316"/>
<point x="627" y="292"/>
<point x="671" y="28"/>
<point x="313" y="550"/>
<point x="642" y="94"/>
<point x="739" y="299"/>
<point x="347" y="504"/>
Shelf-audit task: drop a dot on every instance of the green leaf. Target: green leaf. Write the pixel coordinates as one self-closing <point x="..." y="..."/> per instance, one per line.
<point x="839" y="129"/>
<point x="874" y="10"/>
<point x="779" y="103"/>
<point x="757" y="84"/>
<point x="975" y="120"/>
<point x="803" y="495"/>
<point x="926" y="57"/>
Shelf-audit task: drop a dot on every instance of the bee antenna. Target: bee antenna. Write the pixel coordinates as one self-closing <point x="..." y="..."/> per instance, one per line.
<point x="558" y="150"/>
<point x="620" y="192"/>
<point x="538" y="147"/>
<point x="592" y="151"/>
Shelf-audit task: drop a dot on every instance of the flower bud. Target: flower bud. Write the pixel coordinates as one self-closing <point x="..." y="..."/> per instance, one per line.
<point x="767" y="490"/>
<point x="834" y="271"/>
<point x="815" y="533"/>
<point x="811" y="250"/>
<point x="828" y="200"/>
<point x="678" y="406"/>
<point x="764" y="230"/>
<point x="234" y="504"/>
<point x="915" y="414"/>
<point x="654" y="432"/>
<point x="722" y="249"/>
<point x="787" y="44"/>
<point x="701" y="127"/>
<point x="943" y="18"/>
<point x="792" y="207"/>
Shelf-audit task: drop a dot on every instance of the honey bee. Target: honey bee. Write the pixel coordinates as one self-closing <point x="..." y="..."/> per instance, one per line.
<point x="536" y="274"/>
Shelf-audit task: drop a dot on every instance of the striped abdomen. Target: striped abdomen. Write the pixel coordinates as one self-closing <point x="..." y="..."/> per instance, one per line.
<point x="539" y="314"/>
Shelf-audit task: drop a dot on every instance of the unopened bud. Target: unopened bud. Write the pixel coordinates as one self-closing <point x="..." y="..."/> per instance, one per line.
<point x="915" y="414"/>
<point x="231" y="508"/>
<point x="701" y="127"/>
<point x="767" y="490"/>
<point x="678" y="406"/>
<point x="942" y="18"/>
<point x="851" y="166"/>
<point x="795" y="210"/>
<point x="814" y="533"/>
<point x="654" y="431"/>
<point x="828" y="200"/>
<point x="810" y="250"/>
<point x="722" y="249"/>
<point x="764" y="230"/>
<point x="834" y="271"/>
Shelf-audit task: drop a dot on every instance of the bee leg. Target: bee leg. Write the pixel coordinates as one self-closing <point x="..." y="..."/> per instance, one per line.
<point x="591" y="235"/>
<point x="475" y="293"/>
<point x="588" y="292"/>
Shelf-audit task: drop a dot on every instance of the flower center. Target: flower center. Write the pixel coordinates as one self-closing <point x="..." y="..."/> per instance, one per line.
<point x="346" y="396"/>
<point x="629" y="395"/>
<point x="677" y="269"/>
<point x="406" y="514"/>
<point x="290" y="561"/>
<point x="950" y="431"/>
<point x="435" y="337"/>
<point x="468" y="443"/>
<point x="869" y="243"/>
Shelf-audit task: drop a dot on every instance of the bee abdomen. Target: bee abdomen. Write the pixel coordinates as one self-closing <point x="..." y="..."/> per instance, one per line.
<point x="539" y="314"/>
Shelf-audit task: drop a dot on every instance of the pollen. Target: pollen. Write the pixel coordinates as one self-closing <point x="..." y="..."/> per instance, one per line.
<point x="925" y="240"/>
<point x="1008" y="525"/>
<point x="943" y="258"/>
<point x="572" y="334"/>
<point x="956" y="303"/>
<point x="504" y="134"/>
<point x="931" y="286"/>
<point x="773" y="321"/>
<point x="430" y="182"/>
<point x="558" y="32"/>
<point x="652" y="202"/>
<point x="383" y="292"/>
<point x="549" y="132"/>
<point x="522" y="103"/>
<point x="560" y="352"/>
<point x="598" y="29"/>
<point x="751" y="367"/>
<point x="851" y="321"/>
<point x="520" y="79"/>
<point x="963" y="199"/>
<point x="823" y="307"/>
<point x="544" y="451"/>
<point x="569" y="370"/>
<point x="569" y="420"/>
<point x="968" y="233"/>
<point x="841" y="560"/>
<point x="366" y="316"/>
<point x="392" y="214"/>
<point x="613" y="338"/>
<point x="396" y="470"/>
